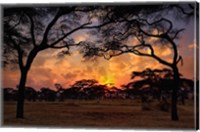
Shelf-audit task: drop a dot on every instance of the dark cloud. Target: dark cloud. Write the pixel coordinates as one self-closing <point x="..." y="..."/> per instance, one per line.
<point x="70" y="75"/>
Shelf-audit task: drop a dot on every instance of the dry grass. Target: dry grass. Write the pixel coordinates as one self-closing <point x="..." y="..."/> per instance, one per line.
<point x="105" y="114"/>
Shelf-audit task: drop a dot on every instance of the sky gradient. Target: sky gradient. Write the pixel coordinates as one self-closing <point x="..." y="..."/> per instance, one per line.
<point x="47" y="69"/>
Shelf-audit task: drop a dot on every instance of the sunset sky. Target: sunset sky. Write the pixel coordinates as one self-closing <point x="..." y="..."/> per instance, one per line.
<point x="47" y="69"/>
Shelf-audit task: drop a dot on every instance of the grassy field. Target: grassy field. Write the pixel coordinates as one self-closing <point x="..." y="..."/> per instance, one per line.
<point x="92" y="114"/>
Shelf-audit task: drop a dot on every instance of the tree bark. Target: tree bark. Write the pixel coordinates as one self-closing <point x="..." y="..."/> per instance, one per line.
<point x="174" y="112"/>
<point x="21" y="90"/>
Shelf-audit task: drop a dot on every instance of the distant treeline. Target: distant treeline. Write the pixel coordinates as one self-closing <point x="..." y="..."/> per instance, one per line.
<point x="90" y="89"/>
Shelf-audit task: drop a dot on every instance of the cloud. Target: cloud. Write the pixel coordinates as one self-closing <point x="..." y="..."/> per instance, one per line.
<point x="10" y="78"/>
<point x="80" y="36"/>
<point x="193" y="45"/>
<point x="70" y="75"/>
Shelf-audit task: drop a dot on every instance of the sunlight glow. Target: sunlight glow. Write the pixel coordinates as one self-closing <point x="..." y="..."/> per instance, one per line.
<point x="107" y="80"/>
<point x="109" y="85"/>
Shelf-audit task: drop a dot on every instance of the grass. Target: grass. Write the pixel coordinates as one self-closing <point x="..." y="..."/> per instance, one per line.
<point x="100" y="114"/>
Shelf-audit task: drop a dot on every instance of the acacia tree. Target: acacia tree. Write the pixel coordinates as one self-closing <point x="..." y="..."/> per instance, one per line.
<point x="84" y="83"/>
<point x="87" y="88"/>
<point x="155" y="79"/>
<point x="149" y="26"/>
<point x="30" y="30"/>
<point x="160" y="80"/>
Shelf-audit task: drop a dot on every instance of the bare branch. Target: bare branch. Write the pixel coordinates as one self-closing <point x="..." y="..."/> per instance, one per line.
<point x="15" y="45"/>
<point x="165" y="36"/>
<point x="64" y="46"/>
<point x="177" y="33"/>
<point x="137" y="52"/>
<point x="161" y="60"/>
<point x="134" y="48"/>
<point x="148" y="34"/>
<point x="32" y="29"/>
<point x="17" y="23"/>
<point x="180" y="59"/>
<point x="19" y="51"/>
<point x="113" y="55"/>
<point x="69" y="33"/>
<point x="50" y="25"/>
<point x="153" y="23"/>
<point x="59" y="47"/>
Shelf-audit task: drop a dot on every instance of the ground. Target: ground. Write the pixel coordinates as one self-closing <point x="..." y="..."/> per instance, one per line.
<point x="97" y="114"/>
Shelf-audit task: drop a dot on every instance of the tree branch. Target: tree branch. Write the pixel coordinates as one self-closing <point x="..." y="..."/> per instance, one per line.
<point x="59" y="47"/>
<point x="174" y="48"/>
<point x="64" y="46"/>
<point x="113" y="55"/>
<point x="17" y="23"/>
<point x="177" y="33"/>
<point x="165" y="36"/>
<point x="158" y="21"/>
<point x="161" y="60"/>
<point x="137" y="52"/>
<point x="50" y="25"/>
<point x="32" y="29"/>
<point x="149" y="55"/>
<point x="148" y="34"/>
<point x="31" y="57"/>
<point x="153" y="23"/>
<point x="83" y="26"/>
<point x="180" y="59"/>
<point x="20" y="53"/>
<point x="67" y="34"/>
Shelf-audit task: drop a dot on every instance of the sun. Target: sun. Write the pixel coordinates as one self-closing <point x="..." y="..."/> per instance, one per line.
<point x="107" y="80"/>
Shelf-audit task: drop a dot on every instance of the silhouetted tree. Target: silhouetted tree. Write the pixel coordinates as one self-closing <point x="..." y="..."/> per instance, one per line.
<point x="60" y="91"/>
<point x="158" y="80"/>
<point x="94" y="92"/>
<point x="30" y="94"/>
<point x="85" y="89"/>
<point x="158" y="83"/>
<point x="82" y="85"/>
<point x="131" y="91"/>
<point x="30" y="30"/>
<point x="9" y="94"/>
<point x="47" y="94"/>
<point x="71" y="93"/>
<point x="149" y="25"/>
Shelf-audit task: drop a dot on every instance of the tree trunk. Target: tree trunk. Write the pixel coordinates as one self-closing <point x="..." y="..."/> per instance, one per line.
<point x="20" y="99"/>
<point x="174" y="112"/>
<point x="22" y="83"/>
